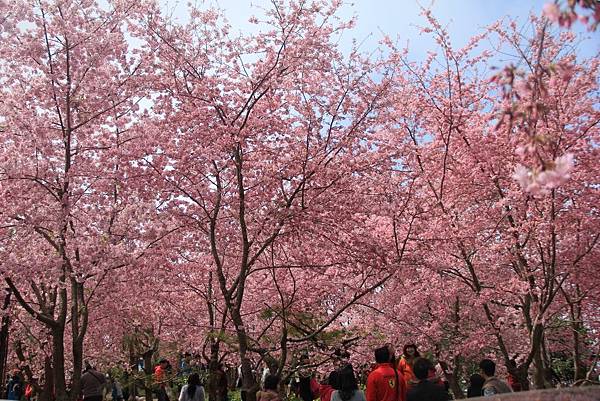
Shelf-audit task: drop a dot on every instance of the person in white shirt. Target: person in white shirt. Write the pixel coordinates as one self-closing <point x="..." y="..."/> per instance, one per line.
<point x="193" y="390"/>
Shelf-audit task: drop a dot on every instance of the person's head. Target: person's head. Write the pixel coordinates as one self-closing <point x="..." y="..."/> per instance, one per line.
<point x="193" y="379"/>
<point x="271" y="382"/>
<point x="88" y="365"/>
<point x="421" y="368"/>
<point x="347" y="381"/>
<point x="382" y="354"/>
<point x="410" y="351"/>
<point x="193" y="382"/>
<point x="333" y="379"/>
<point x="488" y="368"/>
<point x="347" y="384"/>
<point x="476" y="380"/>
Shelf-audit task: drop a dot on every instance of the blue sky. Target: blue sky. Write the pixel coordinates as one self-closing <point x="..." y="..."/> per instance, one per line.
<point x="399" y="18"/>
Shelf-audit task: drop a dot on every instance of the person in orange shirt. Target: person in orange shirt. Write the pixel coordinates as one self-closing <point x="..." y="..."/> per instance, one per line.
<point x="405" y="365"/>
<point x="160" y="379"/>
<point x="385" y="383"/>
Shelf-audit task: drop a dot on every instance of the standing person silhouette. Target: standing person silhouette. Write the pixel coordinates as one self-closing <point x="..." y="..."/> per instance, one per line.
<point x="425" y="389"/>
<point x="405" y="365"/>
<point x="385" y="382"/>
<point x="92" y="384"/>
<point x="475" y="388"/>
<point x="160" y="378"/>
<point x="492" y="384"/>
<point x="193" y="390"/>
<point x="347" y="387"/>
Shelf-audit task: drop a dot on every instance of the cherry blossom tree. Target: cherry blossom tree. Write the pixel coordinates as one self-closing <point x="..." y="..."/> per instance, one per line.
<point x="169" y="185"/>
<point x="71" y="218"/>
<point x="511" y="248"/>
<point x="274" y="161"/>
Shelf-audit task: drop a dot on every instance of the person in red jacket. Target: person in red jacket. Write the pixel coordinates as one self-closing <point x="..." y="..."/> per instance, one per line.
<point x="324" y="391"/>
<point x="385" y="383"/>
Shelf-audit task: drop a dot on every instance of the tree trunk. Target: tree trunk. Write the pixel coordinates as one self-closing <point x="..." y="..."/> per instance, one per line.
<point x="539" y="372"/>
<point x="4" y="331"/>
<point x="133" y="363"/>
<point x="77" y="369"/>
<point x="78" y="327"/>
<point x="149" y="378"/>
<point x="249" y="384"/>
<point x="212" y="370"/>
<point x="537" y="338"/>
<point x="58" y="364"/>
<point x="48" y="381"/>
<point x="576" y="326"/>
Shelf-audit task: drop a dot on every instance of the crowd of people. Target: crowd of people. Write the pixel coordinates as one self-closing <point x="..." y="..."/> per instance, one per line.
<point x="408" y="378"/>
<point x="411" y="377"/>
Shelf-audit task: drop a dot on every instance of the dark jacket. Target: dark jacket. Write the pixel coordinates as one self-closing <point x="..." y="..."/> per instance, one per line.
<point x="15" y="388"/>
<point x="427" y="391"/>
<point x="92" y="383"/>
<point x="474" y="391"/>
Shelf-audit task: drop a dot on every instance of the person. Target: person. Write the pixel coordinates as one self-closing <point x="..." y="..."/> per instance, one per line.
<point x="171" y="372"/>
<point x="160" y="379"/>
<point x="475" y="388"/>
<point x="92" y="384"/>
<point x="185" y="365"/>
<point x="29" y="392"/>
<point x="222" y="384"/>
<point x="269" y="392"/>
<point x="405" y="365"/>
<point x="324" y="391"/>
<point x="492" y="385"/>
<point x="424" y="389"/>
<point x="513" y="380"/>
<point x="347" y="387"/>
<point x="305" y="385"/>
<point x="193" y="390"/>
<point x="239" y="381"/>
<point x="434" y="376"/>
<point x="116" y="390"/>
<point x="14" y="386"/>
<point x="127" y="381"/>
<point x="385" y="382"/>
<point x="265" y="373"/>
